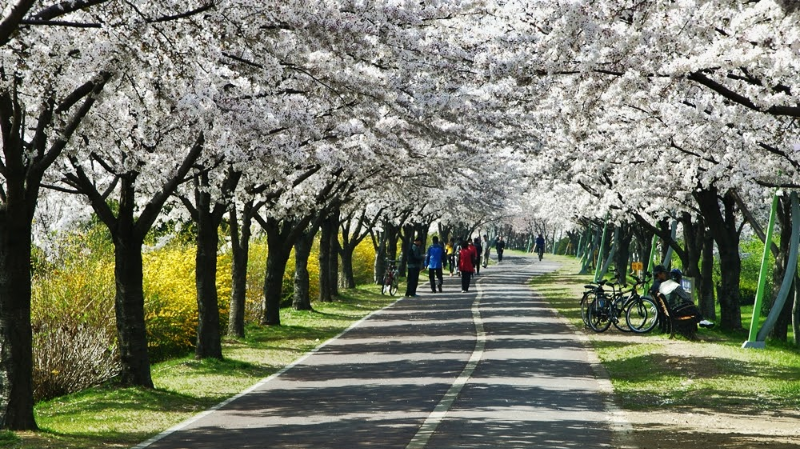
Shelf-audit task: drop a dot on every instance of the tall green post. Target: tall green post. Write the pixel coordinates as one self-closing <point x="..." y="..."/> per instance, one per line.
<point x="649" y="266"/>
<point x="762" y="281"/>
<point x="600" y="252"/>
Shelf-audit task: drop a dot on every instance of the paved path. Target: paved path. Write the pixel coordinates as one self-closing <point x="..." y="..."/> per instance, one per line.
<point x="490" y="368"/>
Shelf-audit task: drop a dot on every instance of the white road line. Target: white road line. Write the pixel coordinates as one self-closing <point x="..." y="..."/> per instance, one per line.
<point x="433" y="420"/>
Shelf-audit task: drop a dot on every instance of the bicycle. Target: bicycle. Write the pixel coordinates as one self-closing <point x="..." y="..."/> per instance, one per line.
<point x="390" y="280"/>
<point x="641" y="312"/>
<point x="540" y="251"/>
<point x="605" y="310"/>
<point x="599" y="309"/>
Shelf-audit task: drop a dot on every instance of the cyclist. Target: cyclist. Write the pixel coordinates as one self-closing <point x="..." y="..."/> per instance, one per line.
<point x="540" y="246"/>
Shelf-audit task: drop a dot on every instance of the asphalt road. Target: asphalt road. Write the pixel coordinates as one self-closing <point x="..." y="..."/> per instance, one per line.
<point x="491" y="368"/>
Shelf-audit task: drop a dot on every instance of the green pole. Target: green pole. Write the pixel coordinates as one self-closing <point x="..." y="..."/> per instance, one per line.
<point x="762" y="280"/>
<point x="579" y="249"/>
<point x="600" y="252"/>
<point x="649" y="267"/>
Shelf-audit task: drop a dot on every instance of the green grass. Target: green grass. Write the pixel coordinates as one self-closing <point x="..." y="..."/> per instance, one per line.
<point x="109" y="416"/>
<point x="652" y="371"/>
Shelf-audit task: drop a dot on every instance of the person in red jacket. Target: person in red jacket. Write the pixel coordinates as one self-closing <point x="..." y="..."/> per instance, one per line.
<point x="465" y="264"/>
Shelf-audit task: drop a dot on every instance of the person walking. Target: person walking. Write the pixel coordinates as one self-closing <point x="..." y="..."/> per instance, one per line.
<point x="450" y="252"/>
<point x="478" y="254"/>
<point x="465" y="265"/>
<point x="500" y="246"/>
<point x="416" y="258"/>
<point x="434" y="260"/>
<point x="487" y="248"/>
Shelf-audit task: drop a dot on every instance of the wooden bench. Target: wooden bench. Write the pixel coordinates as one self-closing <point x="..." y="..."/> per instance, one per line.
<point x="673" y="321"/>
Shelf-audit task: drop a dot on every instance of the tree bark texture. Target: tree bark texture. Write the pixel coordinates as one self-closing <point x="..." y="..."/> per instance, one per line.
<point x="623" y="253"/>
<point x="325" y="288"/>
<point x="719" y="214"/>
<point x="240" y="249"/>
<point x="16" y="337"/>
<point x="707" y="301"/>
<point x="209" y="340"/>
<point x="333" y="254"/>
<point x="302" y="251"/>
<point x="281" y="235"/>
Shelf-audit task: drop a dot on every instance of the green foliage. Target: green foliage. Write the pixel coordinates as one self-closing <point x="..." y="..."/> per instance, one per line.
<point x="751" y="251"/>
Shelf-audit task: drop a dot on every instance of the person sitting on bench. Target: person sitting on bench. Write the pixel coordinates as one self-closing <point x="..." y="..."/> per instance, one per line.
<point x="678" y="300"/>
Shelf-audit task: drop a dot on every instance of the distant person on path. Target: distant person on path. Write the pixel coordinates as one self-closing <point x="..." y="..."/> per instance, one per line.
<point x="434" y="260"/>
<point x="465" y="265"/>
<point x="416" y="257"/>
<point x="478" y="253"/>
<point x="486" y="250"/>
<point x="679" y="300"/>
<point x="500" y="246"/>
<point x="539" y="248"/>
<point x="450" y="250"/>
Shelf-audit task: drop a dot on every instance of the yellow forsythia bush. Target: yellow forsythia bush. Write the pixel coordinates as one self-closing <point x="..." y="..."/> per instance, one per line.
<point x="364" y="262"/>
<point x="72" y="314"/>
<point x="171" y="298"/>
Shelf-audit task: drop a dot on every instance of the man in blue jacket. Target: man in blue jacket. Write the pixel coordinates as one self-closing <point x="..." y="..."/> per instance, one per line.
<point x="434" y="260"/>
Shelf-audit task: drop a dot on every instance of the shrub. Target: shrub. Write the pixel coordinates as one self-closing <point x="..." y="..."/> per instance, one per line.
<point x="72" y="315"/>
<point x="70" y="356"/>
<point x="364" y="262"/>
<point x="171" y="298"/>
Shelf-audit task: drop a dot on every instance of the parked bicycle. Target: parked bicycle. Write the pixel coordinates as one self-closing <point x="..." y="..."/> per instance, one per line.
<point x="628" y="311"/>
<point x="606" y="309"/>
<point x="390" y="281"/>
<point x="641" y="312"/>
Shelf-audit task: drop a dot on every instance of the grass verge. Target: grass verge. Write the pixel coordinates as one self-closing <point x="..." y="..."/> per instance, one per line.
<point x="109" y="416"/>
<point x="651" y="371"/>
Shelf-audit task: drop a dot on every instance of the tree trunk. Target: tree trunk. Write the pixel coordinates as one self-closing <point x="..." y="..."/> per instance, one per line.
<point x="302" y="251"/>
<point x="379" y="267"/>
<point x="240" y="247"/>
<point x="706" y="300"/>
<point x="209" y="342"/>
<point x="325" y="247"/>
<point x="16" y="355"/>
<point x="333" y="254"/>
<point x="623" y="253"/>
<point x="347" y="267"/>
<point x="279" y="245"/>
<point x="726" y="235"/>
<point x="129" y="308"/>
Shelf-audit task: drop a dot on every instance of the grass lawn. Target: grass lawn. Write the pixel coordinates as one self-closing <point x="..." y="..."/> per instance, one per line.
<point x="653" y="371"/>
<point x="109" y="416"/>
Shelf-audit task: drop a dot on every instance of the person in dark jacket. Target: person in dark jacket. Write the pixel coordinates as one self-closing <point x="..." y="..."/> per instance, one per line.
<point x="416" y="257"/>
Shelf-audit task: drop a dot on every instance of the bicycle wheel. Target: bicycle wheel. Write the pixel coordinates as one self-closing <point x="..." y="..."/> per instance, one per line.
<point x="586" y="299"/>
<point x="619" y="319"/>
<point x="598" y="316"/>
<point x="393" y="287"/>
<point x="642" y="315"/>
